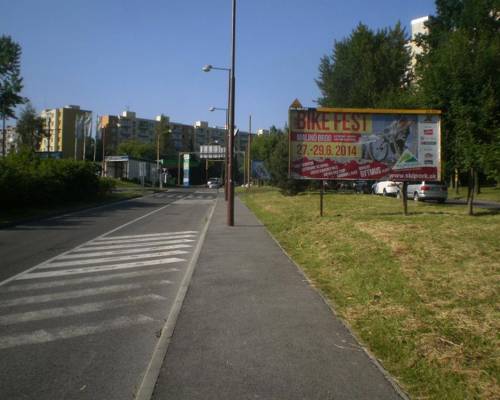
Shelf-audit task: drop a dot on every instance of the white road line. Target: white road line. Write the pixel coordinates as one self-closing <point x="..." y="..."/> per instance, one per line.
<point x="76" y="294"/>
<point x="151" y="235"/>
<point x="80" y="281"/>
<point x="67" y="311"/>
<point x="51" y="335"/>
<point x="129" y="246"/>
<point x="87" y="270"/>
<point x="117" y="252"/>
<point x="18" y="276"/>
<point x="56" y="264"/>
<point x="101" y="242"/>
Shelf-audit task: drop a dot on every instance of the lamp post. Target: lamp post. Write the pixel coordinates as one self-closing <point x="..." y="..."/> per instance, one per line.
<point x="230" y="204"/>
<point x="208" y="68"/>
<point x="212" y="109"/>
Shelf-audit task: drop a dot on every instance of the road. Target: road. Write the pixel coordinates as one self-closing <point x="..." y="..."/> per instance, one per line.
<point x="84" y="296"/>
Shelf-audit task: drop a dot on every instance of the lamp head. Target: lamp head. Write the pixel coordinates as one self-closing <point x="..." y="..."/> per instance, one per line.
<point x="207" y="68"/>
<point x="211" y="109"/>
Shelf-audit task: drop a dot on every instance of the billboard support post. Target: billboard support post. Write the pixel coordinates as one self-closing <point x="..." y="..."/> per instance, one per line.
<point x="321" y="193"/>
<point x="404" y="196"/>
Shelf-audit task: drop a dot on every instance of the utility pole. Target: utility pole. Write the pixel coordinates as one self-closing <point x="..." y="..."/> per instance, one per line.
<point x="103" y="137"/>
<point x="48" y="137"/>
<point x="249" y="144"/>
<point x="160" y="183"/>
<point x="230" y="205"/>
<point x="76" y="134"/>
<point x="95" y="136"/>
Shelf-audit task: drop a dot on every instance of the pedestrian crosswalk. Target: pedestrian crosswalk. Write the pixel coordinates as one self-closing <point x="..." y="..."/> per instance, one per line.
<point x="112" y="280"/>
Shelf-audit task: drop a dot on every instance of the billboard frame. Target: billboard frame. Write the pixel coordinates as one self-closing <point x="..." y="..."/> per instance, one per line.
<point x="296" y="106"/>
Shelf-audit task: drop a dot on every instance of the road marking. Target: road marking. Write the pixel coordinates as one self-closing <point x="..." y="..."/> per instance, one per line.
<point x="56" y="264"/>
<point x="51" y="335"/>
<point x="118" y="241"/>
<point x="80" y="281"/>
<point x="87" y="270"/>
<point x="150" y="235"/>
<point x="128" y="245"/>
<point x="76" y="294"/>
<point x="130" y="251"/>
<point x="67" y="311"/>
<point x="18" y="276"/>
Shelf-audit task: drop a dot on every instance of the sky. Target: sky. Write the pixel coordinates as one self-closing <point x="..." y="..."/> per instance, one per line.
<point x="147" y="55"/>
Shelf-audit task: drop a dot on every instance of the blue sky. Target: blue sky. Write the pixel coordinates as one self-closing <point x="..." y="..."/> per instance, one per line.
<point x="107" y="55"/>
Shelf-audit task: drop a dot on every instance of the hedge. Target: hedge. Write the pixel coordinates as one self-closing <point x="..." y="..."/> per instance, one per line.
<point x="26" y="180"/>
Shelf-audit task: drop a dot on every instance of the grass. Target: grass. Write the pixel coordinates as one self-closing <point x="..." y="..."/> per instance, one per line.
<point x="421" y="292"/>
<point x="491" y="193"/>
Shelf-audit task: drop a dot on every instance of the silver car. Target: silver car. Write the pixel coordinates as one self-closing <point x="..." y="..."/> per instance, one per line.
<point x="428" y="191"/>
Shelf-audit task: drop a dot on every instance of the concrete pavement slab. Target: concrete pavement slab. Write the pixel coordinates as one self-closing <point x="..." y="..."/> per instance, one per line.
<point x="252" y="327"/>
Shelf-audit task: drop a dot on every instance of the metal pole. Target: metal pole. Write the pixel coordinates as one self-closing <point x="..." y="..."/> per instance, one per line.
<point x="76" y="134"/>
<point x="226" y="156"/>
<point x="249" y="144"/>
<point x="48" y="137"/>
<point x="84" y="138"/>
<point x="160" y="185"/>
<point x="103" y="138"/>
<point x="230" y="204"/>
<point x="179" y="170"/>
<point x="4" y="135"/>
<point x="95" y="137"/>
<point x="321" y="198"/>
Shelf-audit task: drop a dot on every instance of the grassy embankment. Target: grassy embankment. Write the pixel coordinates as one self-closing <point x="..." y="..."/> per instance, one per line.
<point x="491" y="193"/>
<point x="125" y="190"/>
<point x="421" y="292"/>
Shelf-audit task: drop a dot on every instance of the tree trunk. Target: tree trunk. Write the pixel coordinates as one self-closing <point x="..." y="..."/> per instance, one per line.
<point x="470" y="198"/>
<point x="477" y="189"/>
<point x="405" y="197"/>
<point x="4" y="138"/>
<point x="456" y="181"/>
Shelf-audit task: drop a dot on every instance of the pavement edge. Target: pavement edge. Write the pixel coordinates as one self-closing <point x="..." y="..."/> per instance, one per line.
<point x="150" y="378"/>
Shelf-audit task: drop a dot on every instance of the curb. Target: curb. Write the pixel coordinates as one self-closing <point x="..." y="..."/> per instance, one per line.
<point x="148" y="384"/>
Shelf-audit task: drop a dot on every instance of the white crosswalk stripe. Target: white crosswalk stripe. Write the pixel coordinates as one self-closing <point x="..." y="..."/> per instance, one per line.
<point x="133" y="269"/>
<point x="80" y="281"/>
<point x="75" y="310"/>
<point x="51" y="335"/>
<point x="110" y="259"/>
<point x="123" y="251"/>
<point x="91" y="247"/>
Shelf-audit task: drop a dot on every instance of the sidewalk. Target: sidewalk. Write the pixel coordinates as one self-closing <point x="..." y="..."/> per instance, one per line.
<point x="251" y="327"/>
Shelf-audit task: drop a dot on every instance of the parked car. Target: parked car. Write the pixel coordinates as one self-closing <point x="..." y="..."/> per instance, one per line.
<point x="386" y="188"/>
<point x="214" y="183"/>
<point x="428" y="191"/>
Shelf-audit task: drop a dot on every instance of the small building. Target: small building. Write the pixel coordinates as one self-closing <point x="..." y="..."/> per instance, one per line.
<point x="125" y="167"/>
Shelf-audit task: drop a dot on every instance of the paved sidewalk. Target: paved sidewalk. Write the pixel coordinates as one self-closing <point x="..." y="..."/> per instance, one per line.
<point x="251" y="327"/>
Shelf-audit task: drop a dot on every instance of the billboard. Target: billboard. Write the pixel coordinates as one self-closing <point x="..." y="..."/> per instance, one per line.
<point x="364" y="144"/>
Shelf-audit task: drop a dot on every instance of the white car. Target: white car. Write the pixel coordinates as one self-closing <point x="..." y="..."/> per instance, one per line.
<point x="386" y="188"/>
<point x="214" y="183"/>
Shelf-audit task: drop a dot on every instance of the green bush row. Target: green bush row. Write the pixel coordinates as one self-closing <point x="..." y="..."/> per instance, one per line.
<point x="26" y="180"/>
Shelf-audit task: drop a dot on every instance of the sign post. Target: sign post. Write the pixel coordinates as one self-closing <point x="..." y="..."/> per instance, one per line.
<point x="185" y="179"/>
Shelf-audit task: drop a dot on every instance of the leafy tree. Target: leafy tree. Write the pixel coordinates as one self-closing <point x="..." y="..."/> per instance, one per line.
<point x="30" y="128"/>
<point x="459" y="73"/>
<point x="163" y="136"/>
<point x="136" y="149"/>
<point x="10" y="81"/>
<point x="367" y="69"/>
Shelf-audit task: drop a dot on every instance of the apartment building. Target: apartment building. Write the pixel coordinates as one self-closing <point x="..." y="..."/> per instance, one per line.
<point x="66" y="129"/>
<point x="417" y="28"/>
<point x="11" y="140"/>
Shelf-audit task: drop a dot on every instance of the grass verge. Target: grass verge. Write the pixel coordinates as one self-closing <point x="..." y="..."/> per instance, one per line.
<point x="487" y="194"/>
<point x="420" y="291"/>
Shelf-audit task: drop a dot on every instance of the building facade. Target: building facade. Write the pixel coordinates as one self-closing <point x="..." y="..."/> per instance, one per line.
<point x="66" y="130"/>
<point x="11" y="140"/>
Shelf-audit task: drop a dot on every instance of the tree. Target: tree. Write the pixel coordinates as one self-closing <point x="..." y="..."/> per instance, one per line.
<point x="10" y="81"/>
<point x="30" y="128"/>
<point x="459" y="73"/>
<point x="136" y="149"/>
<point x="163" y="134"/>
<point x="367" y="69"/>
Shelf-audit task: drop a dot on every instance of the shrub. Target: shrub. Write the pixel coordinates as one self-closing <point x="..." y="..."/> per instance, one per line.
<point x="26" y="180"/>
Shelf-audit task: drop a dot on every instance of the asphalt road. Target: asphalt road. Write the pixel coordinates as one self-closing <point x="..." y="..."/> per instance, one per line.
<point x="83" y="297"/>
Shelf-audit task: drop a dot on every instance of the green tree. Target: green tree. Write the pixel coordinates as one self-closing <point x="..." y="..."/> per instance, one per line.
<point x="10" y="81"/>
<point x="367" y="69"/>
<point x="459" y="73"/>
<point x="162" y="137"/>
<point x="136" y="149"/>
<point x="30" y="128"/>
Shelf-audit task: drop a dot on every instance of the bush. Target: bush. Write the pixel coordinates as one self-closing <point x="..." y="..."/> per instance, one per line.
<point x="26" y="180"/>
